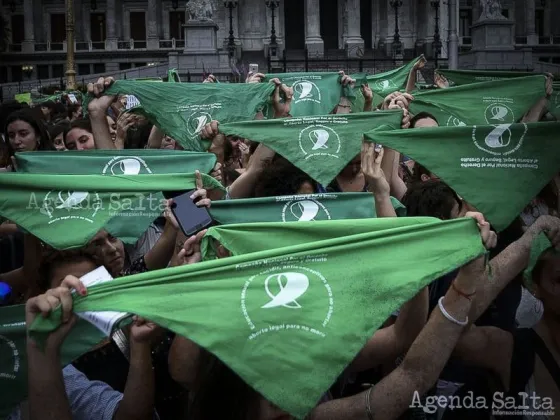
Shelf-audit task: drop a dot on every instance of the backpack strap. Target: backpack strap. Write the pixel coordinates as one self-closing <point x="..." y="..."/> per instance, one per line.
<point x="547" y="358"/>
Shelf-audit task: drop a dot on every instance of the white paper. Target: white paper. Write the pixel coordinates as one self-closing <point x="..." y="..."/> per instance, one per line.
<point x="72" y="98"/>
<point x="131" y="102"/>
<point x="102" y="320"/>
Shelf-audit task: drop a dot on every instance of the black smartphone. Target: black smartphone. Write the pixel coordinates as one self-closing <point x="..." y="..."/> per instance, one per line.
<point x="191" y="219"/>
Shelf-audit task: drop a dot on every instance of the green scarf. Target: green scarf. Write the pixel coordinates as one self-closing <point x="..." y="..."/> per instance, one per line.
<point x="383" y="84"/>
<point x="173" y="76"/>
<point x="289" y="320"/>
<point x="319" y="146"/>
<point x="66" y="211"/>
<point x="496" y="102"/>
<point x="181" y="110"/>
<point x="297" y="208"/>
<point x="23" y="98"/>
<point x="13" y="353"/>
<point x="467" y="77"/>
<point x="540" y="244"/>
<point x="130" y="224"/>
<point x="314" y="93"/>
<point x="497" y="169"/>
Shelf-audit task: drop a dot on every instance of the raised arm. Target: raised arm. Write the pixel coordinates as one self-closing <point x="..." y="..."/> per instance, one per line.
<point x="372" y="156"/>
<point x="540" y="107"/>
<point x="344" y="105"/>
<point x="97" y="109"/>
<point x="411" y="82"/>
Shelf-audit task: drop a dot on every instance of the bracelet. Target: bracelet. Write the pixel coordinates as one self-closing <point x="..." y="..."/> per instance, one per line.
<point x="463" y="294"/>
<point x="448" y="316"/>
<point x="368" y="404"/>
<point x="345" y="106"/>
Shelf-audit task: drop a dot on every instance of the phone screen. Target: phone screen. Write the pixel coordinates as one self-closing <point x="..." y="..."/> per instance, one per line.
<point x="191" y="219"/>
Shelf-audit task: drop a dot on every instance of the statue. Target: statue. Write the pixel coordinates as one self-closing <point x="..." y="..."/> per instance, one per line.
<point x="491" y="9"/>
<point x="200" y="10"/>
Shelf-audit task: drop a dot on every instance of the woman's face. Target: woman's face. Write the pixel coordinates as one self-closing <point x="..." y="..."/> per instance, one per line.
<point x="46" y="111"/>
<point x="306" y="188"/>
<point x="112" y="128"/>
<point x="22" y="136"/>
<point x="75" y="268"/>
<point x="77" y="114"/>
<point x="168" y="143"/>
<point x="59" y="143"/>
<point x="79" y="139"/>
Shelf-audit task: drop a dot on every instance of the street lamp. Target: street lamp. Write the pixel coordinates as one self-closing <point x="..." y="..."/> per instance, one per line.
<point x="437" y="39"/>
<point x="27" y="70"/>
<point x="70" y="65"/>
<point x="397" y="45"/>
<point x="273" y="5"/>
<point x="231" y="4"/>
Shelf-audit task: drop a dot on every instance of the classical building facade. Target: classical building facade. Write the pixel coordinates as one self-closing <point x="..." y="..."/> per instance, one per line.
<point x="113" y="35"/>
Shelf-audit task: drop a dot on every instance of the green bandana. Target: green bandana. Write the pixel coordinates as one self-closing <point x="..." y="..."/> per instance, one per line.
<point x="289" y="320"/>
<point x="496" y="102"/>
<point x="129" y="224"/>
<point x="498" y="169"/>
<point x="173" y="76"/>
<point x="319" y="146"/>
<point x="13" y="353"/>
<point x="314" y="93"/>
<point x="181" y="110"/>
<point x="383" y="84"/>
<point x="467" y="77"/>
<point x="297" y="208"/>
<point x="66" y="211"/>
<point x="23" y="98"/>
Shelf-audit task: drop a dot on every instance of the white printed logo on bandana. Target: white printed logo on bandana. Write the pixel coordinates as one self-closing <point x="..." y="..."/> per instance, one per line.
<point x="284" y="295"/>
<point x="9" y="347"/>
<point x="455" y="122"/>
<point x="304" y="211"/>
<point x="501" y="139"/>
<point x="69" y="205"/>
<point x="383" y="85"/>
<point x="126" y="165"/>
<point x="319" y="140"/>
<point x="305" y="91"/>
<point x="197" y="121"/>
<point x="499" y="113"/>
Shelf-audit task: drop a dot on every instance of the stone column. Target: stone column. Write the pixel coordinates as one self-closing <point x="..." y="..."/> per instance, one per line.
<point x="29" y="30"/>
<point x="354" y="42"/>
<point x="453" y="49"/>
<point x="152" y="12"/>
<point x="547" y="18"/>
<point x="111" y="22"/>
<point x="79" y="28"/>
<point x="313" y="41"/>
<point x="85" y="23"/>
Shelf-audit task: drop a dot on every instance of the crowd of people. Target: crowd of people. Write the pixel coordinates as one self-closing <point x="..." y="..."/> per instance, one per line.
<point x="483" y="329"/>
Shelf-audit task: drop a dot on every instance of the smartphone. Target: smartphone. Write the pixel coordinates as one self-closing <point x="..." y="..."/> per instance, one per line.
<point x="253" y="68"/>
<point x="72" y="98"/>
<point x="191" y="219"/>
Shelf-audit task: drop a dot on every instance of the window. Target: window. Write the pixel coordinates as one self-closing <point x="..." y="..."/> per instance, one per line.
<point x="84" y="69"/>
<point x="125" y="66"/>
<point x="18" y="31"/>
<point x="17" y="74"/>
<point x="176" y="22"/>
<point x="57" y="71"/>
<point x="465" y="22"/>
<point x="3" y="74"/>
<point x="97" y="22"/>
<point x="58" y="27"/>
<point x="539" y="22"/>
<point x="42" y="71"/>
<point x="138" y="26"/>
<point x="98" y="68"/>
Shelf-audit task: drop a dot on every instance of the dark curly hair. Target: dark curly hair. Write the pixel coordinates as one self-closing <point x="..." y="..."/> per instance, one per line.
<point x="280" y="177"/>
<point x="432" y="198"/>
<point x="29" y="116"/>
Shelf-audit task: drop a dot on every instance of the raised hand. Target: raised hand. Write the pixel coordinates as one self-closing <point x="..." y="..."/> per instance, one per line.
<point x="372" y="156"/>
<point x="190" y="254"/>
<point x="100" y="103"/>
<point x="255" y="78"/>
<point x="281" y="99"/>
